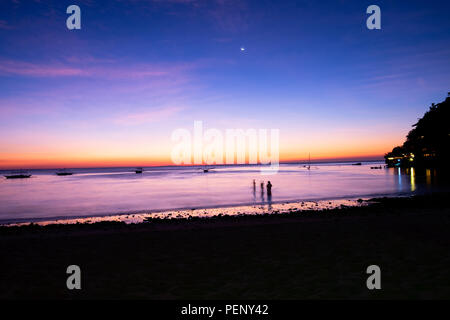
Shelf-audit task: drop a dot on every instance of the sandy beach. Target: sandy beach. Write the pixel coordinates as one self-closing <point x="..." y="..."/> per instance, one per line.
<point x="305" y="254"/>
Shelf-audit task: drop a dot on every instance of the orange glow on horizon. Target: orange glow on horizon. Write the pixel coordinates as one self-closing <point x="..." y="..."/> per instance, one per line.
<point x="65" y="162"/>
<point x="142" y="153"/>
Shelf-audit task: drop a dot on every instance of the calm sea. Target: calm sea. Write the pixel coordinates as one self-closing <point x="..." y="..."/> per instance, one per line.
<point x="106" y="191"/>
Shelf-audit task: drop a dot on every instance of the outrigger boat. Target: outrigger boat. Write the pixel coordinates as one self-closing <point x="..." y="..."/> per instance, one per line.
<point x="64" y="172"/>
<point x="18" y="175"/>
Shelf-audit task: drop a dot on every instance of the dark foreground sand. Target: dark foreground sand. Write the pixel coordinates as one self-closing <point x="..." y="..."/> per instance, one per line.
<point x="312" y="255"/>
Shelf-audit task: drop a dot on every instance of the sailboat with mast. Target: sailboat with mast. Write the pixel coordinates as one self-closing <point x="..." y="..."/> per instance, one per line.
<point x="308" y="166"/>
<point x="309" y="161"/>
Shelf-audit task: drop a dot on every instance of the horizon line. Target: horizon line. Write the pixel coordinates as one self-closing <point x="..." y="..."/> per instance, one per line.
<point x="302" y="161"/>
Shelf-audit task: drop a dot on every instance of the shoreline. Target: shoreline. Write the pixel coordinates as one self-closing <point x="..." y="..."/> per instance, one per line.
<point x="319" y="209"/>
<point x="279" y="207"/>
<point x="255" y="208"/>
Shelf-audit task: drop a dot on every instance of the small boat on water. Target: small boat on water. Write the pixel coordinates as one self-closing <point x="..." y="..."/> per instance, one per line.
<point x="379" y="167"/>
<point x="18" y="175"/>
<point x="139" y="170"/>
<point x="64" y="172"/>
<point x="357" y="164"/>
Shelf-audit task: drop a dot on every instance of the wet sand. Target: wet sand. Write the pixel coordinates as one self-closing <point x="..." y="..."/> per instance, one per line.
<point x="296" y="255"/>
<point x="207" y="212"/>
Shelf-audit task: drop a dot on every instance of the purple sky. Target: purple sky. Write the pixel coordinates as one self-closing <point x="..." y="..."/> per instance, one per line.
<point x="114" y="91"/>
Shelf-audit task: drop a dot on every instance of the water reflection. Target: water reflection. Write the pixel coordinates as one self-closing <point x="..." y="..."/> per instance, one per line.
<point x="269" y="201"/>
<point x="428" y="174"/>
<point x="119" y="190"/>
<point x="413" y="180"/>
<point x="418" y="179"/>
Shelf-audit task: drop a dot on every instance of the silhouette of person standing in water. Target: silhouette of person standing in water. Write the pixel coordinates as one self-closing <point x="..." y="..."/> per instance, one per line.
<point x="269" y="188"/>
<point x="269" y="195"/>
<point x="262" y="191"/>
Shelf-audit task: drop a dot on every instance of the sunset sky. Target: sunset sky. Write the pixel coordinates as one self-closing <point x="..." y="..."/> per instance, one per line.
<point x="113" y="92"/>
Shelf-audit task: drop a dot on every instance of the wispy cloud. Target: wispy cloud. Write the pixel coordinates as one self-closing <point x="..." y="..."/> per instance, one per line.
<point x="4" y="25"/>
<point x="37" y="70"/>
<point x="111" y="71"/>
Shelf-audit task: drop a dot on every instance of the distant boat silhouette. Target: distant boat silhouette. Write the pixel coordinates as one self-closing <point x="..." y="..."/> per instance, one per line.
<point x="309" y="162"/>
<point x="64" y="172"/>
<point x="308" y="166"/>
<point x="357" y="164"/>
<point x="205" y="169"/>
<point x="18" y="175"/>
<point x="138" y="170"/>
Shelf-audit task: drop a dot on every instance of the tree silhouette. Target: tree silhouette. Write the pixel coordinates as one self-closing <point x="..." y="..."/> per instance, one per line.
<point x="428" y="144"/>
